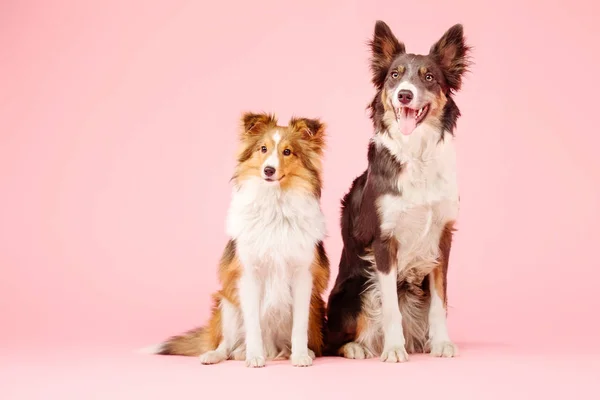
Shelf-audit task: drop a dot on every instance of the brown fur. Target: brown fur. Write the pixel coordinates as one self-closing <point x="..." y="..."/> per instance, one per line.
<point x="361" y="323"/>
<point x="354" y="306"/>
<point x="299" y="170"/>
<point x="452" y="54"/>
<point x="320" y="272"/>
<point x="384" y="51"/>
<point x="415" y="296"/>
<point x="441" y="271"/>
<point x="304" y="137"/>
<point x="200" y="340"/>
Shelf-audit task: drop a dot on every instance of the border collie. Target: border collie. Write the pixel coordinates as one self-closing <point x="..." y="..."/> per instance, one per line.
<point x="389" y="297"/>
<point x="274" y="268"/>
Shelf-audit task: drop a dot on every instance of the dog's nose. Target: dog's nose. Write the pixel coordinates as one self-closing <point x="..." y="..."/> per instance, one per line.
<point x="405" y="96"/>
<point x="269" y="171"/>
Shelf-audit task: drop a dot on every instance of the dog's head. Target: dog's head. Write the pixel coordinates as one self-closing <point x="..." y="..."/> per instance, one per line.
<point x="284" y="156"/>
<point x="416" y="89"/>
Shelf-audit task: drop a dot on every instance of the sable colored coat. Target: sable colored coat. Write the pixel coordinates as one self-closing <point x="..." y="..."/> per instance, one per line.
<point x="274" y="268"/>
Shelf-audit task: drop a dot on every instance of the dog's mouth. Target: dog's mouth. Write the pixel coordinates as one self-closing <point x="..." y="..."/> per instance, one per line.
<point x="409" y="118"/>
<point x="273" y="179"/>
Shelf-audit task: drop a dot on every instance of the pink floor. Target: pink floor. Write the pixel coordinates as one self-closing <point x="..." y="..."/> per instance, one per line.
<point x="482" y="372"/>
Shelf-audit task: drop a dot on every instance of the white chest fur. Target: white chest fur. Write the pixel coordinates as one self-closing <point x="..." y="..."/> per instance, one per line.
<point x="275" y="233"/>
<point x="428" y="195"/>
<point x="272" y="226"/>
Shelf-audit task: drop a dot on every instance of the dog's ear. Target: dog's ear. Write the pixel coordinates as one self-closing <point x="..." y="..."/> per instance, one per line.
<point x="252" y="122"/>
<point x="384" y="49"/>
<point x="253" y="126"/>
<point x="312" y="130"/>
<point x="452" y="55"/>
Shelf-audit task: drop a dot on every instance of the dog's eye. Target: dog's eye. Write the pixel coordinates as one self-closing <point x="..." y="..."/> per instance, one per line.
<point x="263" y="149"/>
<point x="395" y="74"/>
<point x="429" y="78"/>
<point x="287" y="152"/>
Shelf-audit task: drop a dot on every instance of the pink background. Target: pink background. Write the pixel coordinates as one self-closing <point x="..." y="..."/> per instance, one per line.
<point x="117" y="135"/>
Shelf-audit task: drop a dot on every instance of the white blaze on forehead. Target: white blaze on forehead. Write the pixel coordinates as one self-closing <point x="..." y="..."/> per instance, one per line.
<point x="407" y="86"/>
<point x="276" y="137"/>
<point x="273" y="159"/>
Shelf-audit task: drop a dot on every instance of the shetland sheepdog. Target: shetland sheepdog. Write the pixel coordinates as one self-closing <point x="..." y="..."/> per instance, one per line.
<point x="389" y="297"/>
<point x="274" y="268"/>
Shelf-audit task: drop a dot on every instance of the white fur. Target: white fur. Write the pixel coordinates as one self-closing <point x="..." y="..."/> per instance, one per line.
<point x="429" y="199"/>
<point x="275" y="233"/>
<point x="438" y="331"/>
<point x="439" y="340"/>
<point x="429" y="195"/>
<point x="428" y="183"/>
<point x="152" y="349"/>
<point x="301" y="291"/>
<point x="393" y="336"/>
<point x="250" y="297"/>
<point x="273" y="159"/>
<point x="371" y="337"/>
<point x="356" y="350"/>
<point x="231" y="327"/>
<point x="406" y="86"/>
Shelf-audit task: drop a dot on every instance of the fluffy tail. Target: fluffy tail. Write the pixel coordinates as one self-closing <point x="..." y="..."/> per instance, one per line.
<point x="191" y="343"/>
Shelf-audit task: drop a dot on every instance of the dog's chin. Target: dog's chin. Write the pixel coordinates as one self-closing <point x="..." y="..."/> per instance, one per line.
<point x="409" y="118"/>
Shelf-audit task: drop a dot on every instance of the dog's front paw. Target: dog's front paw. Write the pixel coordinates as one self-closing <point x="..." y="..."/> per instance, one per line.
<point x="355" y="351"/>
<point x="311" y="354"/>
<point x="212" y="357"/>
<point x="444" y="349"/>
<point x="255" y="361"/>
<point x="395" y="354"/>
<point x="301" y="359"/>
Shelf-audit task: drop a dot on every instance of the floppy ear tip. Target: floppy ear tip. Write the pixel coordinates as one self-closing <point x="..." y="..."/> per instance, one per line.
<point x="251" y="119"/>
<point x="246" y="115"/>
<point x="312" y="126"/>
<point x="316" y="133"/>
<point x="316" y="126"/>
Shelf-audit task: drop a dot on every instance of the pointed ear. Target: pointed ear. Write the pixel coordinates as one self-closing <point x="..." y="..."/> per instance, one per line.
<point x="312" y="130"/>
<point x="251" y="122"/>
<point x="384" y="49"/>
<point x="452" y="55"/>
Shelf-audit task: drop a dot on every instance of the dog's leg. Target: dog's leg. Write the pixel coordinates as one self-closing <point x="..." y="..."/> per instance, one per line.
<point x="386" y="260"/>
<point x="301" y="291"/>
<point x="249" y="292"/>
<point x="230" y="328"/>
<point x="439" y="340"/>
<point x="343" y="308"/>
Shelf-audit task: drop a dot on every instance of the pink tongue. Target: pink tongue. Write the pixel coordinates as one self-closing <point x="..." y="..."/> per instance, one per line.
<point x="407" y="119"/>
